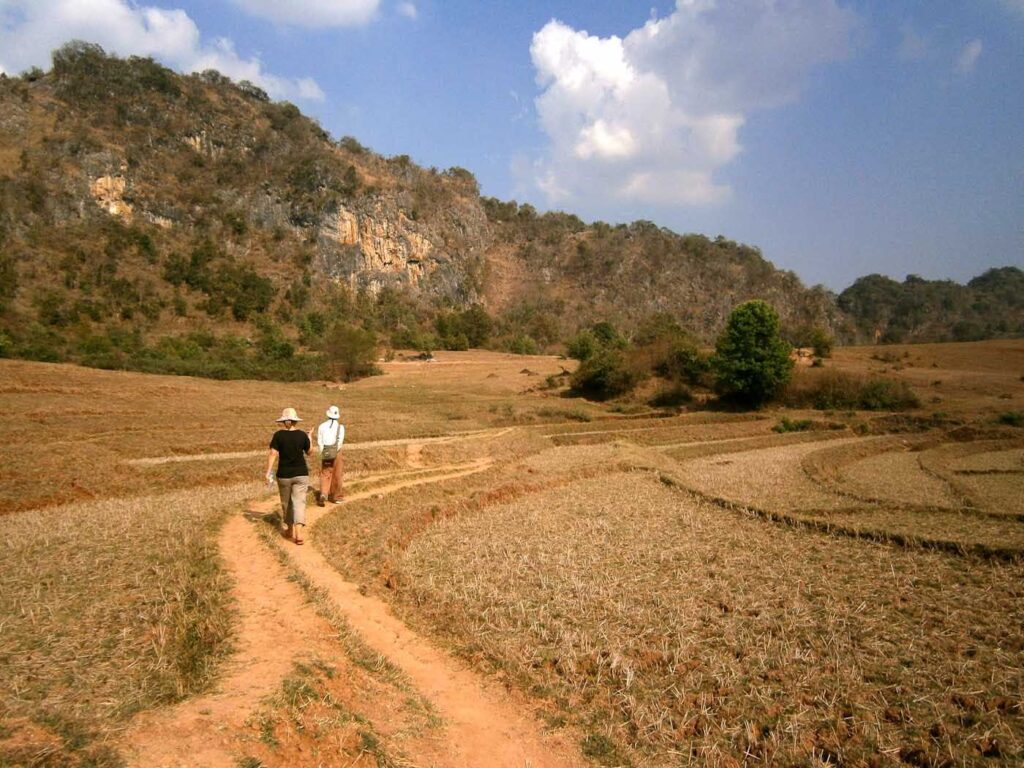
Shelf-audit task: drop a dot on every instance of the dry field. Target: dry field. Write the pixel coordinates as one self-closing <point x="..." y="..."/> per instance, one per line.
<point x="680" y="589"/>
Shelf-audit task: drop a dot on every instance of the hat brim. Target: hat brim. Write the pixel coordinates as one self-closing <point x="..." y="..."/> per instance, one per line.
<point x="280" y="420"/>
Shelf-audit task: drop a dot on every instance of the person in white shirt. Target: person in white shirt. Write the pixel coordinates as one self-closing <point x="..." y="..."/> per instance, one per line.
<point x="329" y="437"/>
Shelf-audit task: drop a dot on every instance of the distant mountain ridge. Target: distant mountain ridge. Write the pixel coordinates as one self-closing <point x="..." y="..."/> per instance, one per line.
<point x="139" y="203"/>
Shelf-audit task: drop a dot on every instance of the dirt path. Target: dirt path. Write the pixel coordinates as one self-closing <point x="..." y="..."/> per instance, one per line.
<point x="483" y="724"/>
<point x="276" y="626"/>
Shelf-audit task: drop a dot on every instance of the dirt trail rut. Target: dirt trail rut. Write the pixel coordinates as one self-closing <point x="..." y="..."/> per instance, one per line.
<point x="483" y="724"/>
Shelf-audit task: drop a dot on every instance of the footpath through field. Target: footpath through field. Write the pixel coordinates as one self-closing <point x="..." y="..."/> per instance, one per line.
<point x="483" y="725"/>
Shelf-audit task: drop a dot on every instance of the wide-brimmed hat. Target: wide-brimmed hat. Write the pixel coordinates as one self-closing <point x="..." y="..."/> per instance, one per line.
<point x="333" y="412"/>
<point x="289" y="414"/>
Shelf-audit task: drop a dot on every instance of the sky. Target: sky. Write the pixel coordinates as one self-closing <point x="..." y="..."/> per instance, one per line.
<point x="841" y="137"/>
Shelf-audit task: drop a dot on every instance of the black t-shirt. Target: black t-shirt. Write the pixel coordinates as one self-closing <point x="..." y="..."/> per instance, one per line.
<point x="291" y="445"/>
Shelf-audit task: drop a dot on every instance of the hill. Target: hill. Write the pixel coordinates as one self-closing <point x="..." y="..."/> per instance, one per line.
<point x="139" y="209"/>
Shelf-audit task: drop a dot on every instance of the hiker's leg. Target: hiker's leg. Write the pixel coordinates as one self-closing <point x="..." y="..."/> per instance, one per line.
<point x="299" y="490"/>
<point x="336" y="492"/>
<point x="326" y="479"/>
<point x="284" y="491"/>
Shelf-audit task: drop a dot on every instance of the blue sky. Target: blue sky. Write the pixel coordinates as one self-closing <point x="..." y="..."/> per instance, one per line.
<point x="842" y="137"/>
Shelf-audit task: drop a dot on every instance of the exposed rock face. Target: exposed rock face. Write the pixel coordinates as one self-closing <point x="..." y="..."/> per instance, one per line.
<point x="108" y="192"/>
<point x="374" y="244"/>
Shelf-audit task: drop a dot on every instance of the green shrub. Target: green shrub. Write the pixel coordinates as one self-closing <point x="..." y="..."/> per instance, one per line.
<point x="822" y="343"/>
<point x="1011" y="418"/>
<point x="792" y="425"/>
<point x="351" y="352"/>
<point x="582" y="346"/>
<point x="605" y="375"/>
<point x="523" y="345"/>
<point x="751" y="360"/>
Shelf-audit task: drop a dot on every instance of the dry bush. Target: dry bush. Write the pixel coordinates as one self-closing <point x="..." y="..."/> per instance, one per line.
<point x="111" y="607"/>
<point x="679" y="633"/>
<point x="832" y="389"/>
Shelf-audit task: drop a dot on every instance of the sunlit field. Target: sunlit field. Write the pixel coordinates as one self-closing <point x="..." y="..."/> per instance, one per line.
<point x="674" y="587"/>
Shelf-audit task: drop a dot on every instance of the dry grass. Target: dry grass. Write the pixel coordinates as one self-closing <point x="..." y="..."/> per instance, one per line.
<point x="678" y="631"/>
<point x="809" y="485"/>
<point x="963" y="380"/>
<point x="108" y="608"/>
<point x="897" y="477"/>
<point x="985" y="473"/>
<point x="771" y="478"/>
<point x="684" y="634"/>
<point x="88" y="422"/>
<point x="311" y="717"/>
<point x="1008" y="460"/>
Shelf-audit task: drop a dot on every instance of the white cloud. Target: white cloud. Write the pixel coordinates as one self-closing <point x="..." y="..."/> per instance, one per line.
<point x="968" y="58"/>
<point x="31" y="29"/>
<point x="313" y="13"/>
<point x="651" y="116"/>
<point x="408" y="10"/>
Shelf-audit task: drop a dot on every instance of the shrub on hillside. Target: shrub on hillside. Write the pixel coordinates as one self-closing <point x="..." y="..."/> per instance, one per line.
<point x="751" y="360"/>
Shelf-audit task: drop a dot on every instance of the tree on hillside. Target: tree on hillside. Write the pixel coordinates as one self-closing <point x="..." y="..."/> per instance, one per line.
<point x="751" y="360"/>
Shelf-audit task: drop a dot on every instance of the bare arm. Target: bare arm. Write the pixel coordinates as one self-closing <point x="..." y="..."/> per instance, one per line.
<point x="271" y="458"/>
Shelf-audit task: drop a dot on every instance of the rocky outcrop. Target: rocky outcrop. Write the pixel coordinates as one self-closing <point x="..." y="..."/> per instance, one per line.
<point x="374" y="244"/>
<point x="108" y="192"/>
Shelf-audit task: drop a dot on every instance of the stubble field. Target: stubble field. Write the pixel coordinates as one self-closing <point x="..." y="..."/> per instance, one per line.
<point x="675" y="588"/>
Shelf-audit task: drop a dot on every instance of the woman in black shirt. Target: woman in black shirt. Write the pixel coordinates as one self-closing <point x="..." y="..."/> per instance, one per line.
<point x="289" y="447"/>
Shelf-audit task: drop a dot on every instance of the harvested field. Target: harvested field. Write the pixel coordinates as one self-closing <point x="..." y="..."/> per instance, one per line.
<point x="109" y="607"/>
<point x="897" y="477"/>
<point x="984" y="473"/>
<point x="769" y="478"/>
<point x="699" y="449"/>
<point x="1009" y="460"/>
<point x="764" y="625"/>
<point x="679" y="632"/>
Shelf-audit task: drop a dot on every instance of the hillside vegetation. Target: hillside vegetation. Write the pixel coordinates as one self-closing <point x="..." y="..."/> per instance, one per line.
<point x="187" y="224"/>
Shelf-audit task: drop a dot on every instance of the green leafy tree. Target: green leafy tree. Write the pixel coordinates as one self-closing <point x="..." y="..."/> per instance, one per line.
<point x="351" y="352"/>
<point x="751" y="360"/>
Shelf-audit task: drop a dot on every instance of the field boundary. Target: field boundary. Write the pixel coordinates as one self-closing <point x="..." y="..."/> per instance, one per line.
<point x="807" y="522"/>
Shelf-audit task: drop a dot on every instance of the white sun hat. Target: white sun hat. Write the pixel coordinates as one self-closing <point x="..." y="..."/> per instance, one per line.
<point x="289" y="414"/>
<point x="333" y="412"/>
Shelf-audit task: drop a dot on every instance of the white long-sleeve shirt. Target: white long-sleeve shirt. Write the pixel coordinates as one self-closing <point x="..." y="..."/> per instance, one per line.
<point x="331" y="432"/>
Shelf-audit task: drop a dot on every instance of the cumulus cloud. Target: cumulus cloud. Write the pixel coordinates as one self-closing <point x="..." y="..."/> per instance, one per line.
<point x="313" y="13"/>
<point x="651" y="116"/>
<point x="408" y="10"/>
<point x="968" y="58"/>
<point x="31" y="29"/>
